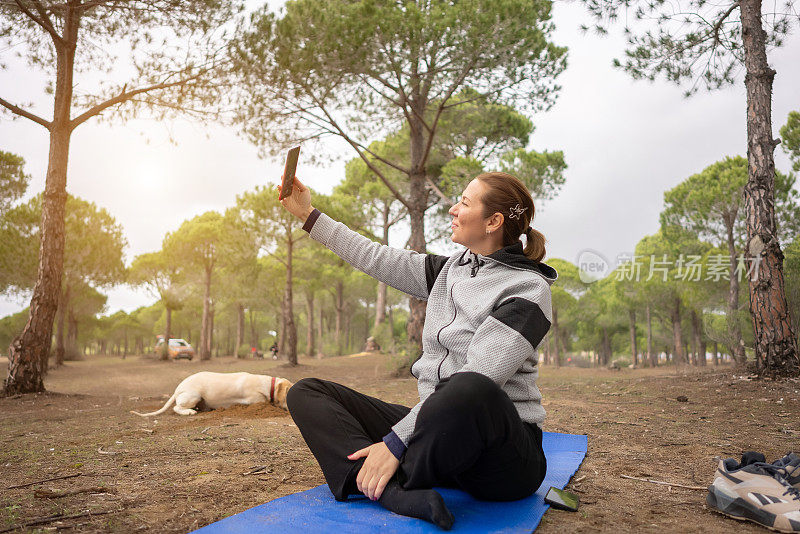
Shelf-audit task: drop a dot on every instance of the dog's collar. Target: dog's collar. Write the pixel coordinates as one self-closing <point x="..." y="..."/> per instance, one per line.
<point x="272" y="389"/>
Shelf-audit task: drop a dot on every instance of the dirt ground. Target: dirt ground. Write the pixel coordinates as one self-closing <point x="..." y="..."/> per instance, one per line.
<point x="176" y="474"/>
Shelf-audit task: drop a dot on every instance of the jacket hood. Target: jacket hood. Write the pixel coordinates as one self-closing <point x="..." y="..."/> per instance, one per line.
<point x="512" y="256"/>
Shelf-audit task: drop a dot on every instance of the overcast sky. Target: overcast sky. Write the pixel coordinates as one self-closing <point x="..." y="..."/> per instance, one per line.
<point x="625" y="142"/>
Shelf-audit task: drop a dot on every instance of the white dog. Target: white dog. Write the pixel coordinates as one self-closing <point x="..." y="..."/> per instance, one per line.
<point x="220" y="390"/>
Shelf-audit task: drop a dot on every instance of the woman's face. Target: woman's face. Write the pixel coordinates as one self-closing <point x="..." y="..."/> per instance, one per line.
<point x="468" y="226"/>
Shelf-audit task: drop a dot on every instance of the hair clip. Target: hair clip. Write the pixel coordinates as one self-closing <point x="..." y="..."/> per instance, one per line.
<point x="516" y="211"/>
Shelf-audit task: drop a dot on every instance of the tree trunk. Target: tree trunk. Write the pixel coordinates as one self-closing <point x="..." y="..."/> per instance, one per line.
<point x="348" y="338"/>
<point x="366" y="320"/>
<point x="546" y="350"/>
<point x="239" y="327"/>
<point x="205" y="346"/>
<point x="253" y="331"/>
<point x="557" y="354"/>
<point x="282" y="325"/>
<point x="734" y="328"/>
<point x="775" y="340"/>
<point x="380" y="304"/>
<point x="311" y="349"/>
<point x="696" y="338"/>
<point x="60" y="335"/>
<point x="418" y="202"/>
<point x="607" y="352"/>
<point x="677" y="333"/>
<point x="339" y="305"/>
<point x="167" y="334"/>
<point x="291" y="329"/>
<point x="72" y="333"/>
<point x="703" y="347"/>
<point x="716" y="352"/>
<point x="632" y="326"/>
<point x="320" y="331"/>
<point x="416" y="319"/>
<point x="29" y="351"/>
<point x="210" y="336"/>
<point x="651" y="355"/>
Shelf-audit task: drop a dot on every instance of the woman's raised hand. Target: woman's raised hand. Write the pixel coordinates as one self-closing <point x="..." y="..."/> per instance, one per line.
<point x="299" y="202"/>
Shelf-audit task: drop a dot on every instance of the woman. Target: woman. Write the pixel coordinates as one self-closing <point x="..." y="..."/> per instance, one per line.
<point x="478" y="423"/>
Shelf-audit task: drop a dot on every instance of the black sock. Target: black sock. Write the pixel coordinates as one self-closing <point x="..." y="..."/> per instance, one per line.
<point x="424" y="504"/>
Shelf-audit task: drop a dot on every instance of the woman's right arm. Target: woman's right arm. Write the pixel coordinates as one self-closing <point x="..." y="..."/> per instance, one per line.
<point x="405" y="270"/>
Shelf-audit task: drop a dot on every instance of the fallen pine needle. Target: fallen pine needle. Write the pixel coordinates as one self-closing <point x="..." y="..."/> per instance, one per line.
<point x="57" y="517"/>
<point x="665" y="483"/>
<point x="42" y="481"/>
<point x="255" y="470"/>
<point x="51" y="494"/>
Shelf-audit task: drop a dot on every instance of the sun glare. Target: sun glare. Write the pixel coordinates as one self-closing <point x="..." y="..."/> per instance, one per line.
<point x="150" y="175"/>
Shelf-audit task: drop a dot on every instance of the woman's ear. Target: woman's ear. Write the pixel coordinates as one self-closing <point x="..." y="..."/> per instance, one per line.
<point x="496" y="221"/>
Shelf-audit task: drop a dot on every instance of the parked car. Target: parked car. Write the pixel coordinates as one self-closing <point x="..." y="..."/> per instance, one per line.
<point x="178" y="348"/>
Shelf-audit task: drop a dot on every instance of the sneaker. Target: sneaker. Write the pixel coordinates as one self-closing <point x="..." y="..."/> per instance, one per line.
<point x="756" y="492"/>
<point x="790" y="465"/>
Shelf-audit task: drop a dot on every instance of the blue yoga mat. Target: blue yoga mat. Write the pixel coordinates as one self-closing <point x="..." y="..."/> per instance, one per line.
<point x="316" y="510"/>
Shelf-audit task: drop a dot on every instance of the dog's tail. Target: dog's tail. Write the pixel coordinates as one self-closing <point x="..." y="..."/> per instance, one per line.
<point x="163" y="409"/>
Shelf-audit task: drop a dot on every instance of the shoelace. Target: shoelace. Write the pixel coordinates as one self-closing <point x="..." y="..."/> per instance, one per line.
<point x="778" y="474"/>
<point x="787" y="463"/>
<point x="790" y="469"/>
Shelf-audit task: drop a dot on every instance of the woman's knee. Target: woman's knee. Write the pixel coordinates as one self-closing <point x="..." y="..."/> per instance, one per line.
<point x="298" y="393"/>
<point x="473" y="387"/>
<point x="462" y="394"/>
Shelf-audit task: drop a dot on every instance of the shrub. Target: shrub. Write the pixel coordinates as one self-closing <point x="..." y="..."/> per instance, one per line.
<point x="400" y="361"/>
<point x="384" y="336"/>
<point x="620" y="363"/>
<point x="72" y="354"/>
<point x="243" y="351"/>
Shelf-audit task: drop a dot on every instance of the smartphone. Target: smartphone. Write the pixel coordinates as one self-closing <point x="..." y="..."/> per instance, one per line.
<point x="288" y="172"/>
<point x="562" y="499"/>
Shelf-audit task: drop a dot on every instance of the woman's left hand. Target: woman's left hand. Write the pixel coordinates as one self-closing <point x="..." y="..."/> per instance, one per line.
<point x="377" y="470"/>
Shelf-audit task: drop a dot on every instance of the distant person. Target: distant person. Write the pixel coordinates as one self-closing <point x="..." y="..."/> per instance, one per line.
<point x="274" y="349"/>
<point x="477" y="426"/>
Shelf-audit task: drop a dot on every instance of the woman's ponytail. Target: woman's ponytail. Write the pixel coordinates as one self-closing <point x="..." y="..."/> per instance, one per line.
<point x="534" y="248"/>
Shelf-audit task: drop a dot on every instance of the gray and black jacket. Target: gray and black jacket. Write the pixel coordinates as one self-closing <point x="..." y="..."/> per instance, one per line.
<point x="486" y="314"/>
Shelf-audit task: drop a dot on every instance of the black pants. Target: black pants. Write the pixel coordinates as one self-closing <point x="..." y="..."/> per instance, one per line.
<point x="468" y="435"/>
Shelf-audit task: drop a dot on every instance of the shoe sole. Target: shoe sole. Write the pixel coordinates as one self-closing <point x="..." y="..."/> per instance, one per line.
<point x="741" y="510"/>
